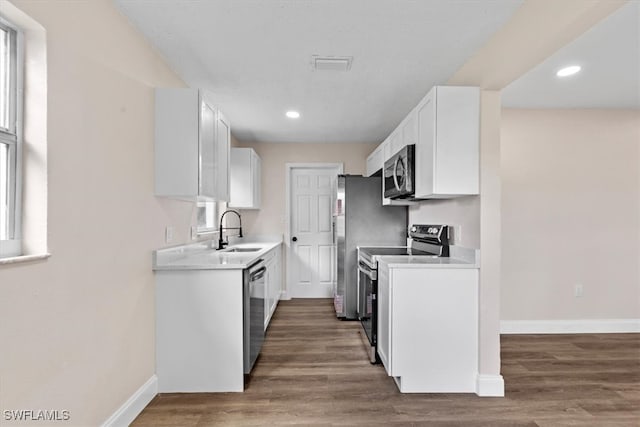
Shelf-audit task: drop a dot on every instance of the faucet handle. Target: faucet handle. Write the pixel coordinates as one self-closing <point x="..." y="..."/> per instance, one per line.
<point x="221" y="242"/>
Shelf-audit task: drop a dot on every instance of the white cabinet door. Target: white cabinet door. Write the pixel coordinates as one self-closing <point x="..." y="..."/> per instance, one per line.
<point x="409" y="129"/>
<point x="178" y="118"/>
<point x="375" y="161"/>
<point x="273" y="285"/>
<point x="276" y="281"/>
<point x="207" y="174"/>
<point x="267" y="290"/>
<point x="428" y="328"/>
<point x="199" y="331"/>
<point x="245" y="179"/>
<point x="425" y="148"/>
<point x="223" y="144"/>
<point x="384" y="318"/>
<point x="256" y="178"/>
<point x="386" y="149"/>
<point x="447" y="148"/>
<point x="395" y="142"/>
<point x="191" y="146"/>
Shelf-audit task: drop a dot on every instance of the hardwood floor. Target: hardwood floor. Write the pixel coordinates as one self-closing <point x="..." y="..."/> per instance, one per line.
<point x="313" y="371"/>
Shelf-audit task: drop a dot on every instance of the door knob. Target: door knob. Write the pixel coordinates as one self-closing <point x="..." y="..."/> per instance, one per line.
<point x="294" y="238"/>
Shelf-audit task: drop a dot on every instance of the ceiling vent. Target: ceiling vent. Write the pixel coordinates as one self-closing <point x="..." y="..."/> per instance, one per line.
<point x="331" y="63"/>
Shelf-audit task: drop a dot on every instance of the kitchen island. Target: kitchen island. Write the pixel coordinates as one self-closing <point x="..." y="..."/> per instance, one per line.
<point x="202" y="311"/>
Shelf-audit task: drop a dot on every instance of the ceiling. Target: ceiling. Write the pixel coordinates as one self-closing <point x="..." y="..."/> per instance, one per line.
<point x="609" y="54"/>
<point x="255" y="57"/>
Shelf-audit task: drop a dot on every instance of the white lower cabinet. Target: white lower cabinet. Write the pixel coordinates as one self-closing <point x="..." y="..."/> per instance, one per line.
<point x="199" y="331"/>
<point x="428" y="328"/>
<point x="273" y="283"/>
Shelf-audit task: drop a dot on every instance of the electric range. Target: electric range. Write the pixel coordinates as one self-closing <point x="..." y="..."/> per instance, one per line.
<point x="426" y="241"/>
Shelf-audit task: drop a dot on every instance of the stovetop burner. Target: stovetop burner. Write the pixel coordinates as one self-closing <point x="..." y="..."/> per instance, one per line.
<point x="428" y="240"/>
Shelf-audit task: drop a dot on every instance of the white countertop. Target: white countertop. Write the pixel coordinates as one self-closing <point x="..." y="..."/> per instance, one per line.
<point x="460" y="258"/>
<point x="421" y="261"/>
<point x="204" y="256"/>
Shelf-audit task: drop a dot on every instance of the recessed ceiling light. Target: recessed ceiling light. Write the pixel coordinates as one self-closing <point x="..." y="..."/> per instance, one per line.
<point x="568" y="71"/>
<point x="292" y="114"/>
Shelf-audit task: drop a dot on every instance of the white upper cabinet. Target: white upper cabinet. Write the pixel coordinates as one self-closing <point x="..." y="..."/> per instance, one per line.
<point x="447" y="147"/>
<point x="409" y="129"/>
<point x="375" y="161"/>
<point x="395" y="142"/>
<point x="445" y="128"/>
<point x="245" y="179"/>
<point x="191" y="146"/>
<point x="223" y="147"/>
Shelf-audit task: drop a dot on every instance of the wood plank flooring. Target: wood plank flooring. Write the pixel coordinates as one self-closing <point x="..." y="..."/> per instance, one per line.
<point x="313" y="371"/>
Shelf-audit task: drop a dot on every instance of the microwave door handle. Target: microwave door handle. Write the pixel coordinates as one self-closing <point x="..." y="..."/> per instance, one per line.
<point x="395" y="173"/>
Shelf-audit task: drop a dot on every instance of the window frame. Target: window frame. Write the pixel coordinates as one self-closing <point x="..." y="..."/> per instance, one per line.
<point x="13" y="138"/>
<point x="207" y="216"/>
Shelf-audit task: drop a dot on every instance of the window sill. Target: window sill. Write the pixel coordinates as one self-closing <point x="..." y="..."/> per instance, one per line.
<point x="23" y="258"/>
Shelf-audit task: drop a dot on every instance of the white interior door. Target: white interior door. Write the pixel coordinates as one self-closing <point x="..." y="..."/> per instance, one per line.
<point x="312" y="250"/>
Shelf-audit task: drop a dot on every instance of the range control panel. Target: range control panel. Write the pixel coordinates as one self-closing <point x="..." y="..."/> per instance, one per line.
<point x="431" y="233"/>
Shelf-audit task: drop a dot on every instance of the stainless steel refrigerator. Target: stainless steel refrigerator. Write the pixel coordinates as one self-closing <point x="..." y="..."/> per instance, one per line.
<point x="360" y="219"/>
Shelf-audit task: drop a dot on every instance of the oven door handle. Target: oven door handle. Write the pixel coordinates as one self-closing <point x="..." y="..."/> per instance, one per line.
<point x="370" y="274"/>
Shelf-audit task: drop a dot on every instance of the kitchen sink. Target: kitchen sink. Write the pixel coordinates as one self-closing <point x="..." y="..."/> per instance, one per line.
<point x="242" y="250"/>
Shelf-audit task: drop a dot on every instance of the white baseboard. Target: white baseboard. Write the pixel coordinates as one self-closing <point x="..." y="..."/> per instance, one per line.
<point x="284" y="296"/>
<point x="490" y="385"/>
<point x="134" y="405"/>
<point x="587" y="326"/>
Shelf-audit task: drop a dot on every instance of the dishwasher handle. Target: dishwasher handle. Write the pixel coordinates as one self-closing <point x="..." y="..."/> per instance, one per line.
<point x="258" y="274"/>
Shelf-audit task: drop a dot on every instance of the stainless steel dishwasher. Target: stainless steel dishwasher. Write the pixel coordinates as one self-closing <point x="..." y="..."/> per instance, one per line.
<point x="254" y="294"/>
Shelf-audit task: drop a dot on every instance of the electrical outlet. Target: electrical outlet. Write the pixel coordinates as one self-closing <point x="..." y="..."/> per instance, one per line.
<point x="578" y="290"/>
<point x="168" y="234"/>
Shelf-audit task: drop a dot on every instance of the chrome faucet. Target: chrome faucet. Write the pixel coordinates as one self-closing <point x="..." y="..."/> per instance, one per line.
<point x="221" y="242"/>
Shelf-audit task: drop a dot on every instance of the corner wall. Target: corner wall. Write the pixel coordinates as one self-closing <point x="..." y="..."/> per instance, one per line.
<point x="570" y="214"/>
<point x="77" y="330"/>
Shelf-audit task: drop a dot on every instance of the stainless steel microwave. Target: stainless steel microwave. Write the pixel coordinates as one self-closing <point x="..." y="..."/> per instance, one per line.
<point x="399" y="174"/>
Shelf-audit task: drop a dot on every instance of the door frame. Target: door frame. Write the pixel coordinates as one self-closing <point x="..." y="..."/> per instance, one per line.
<point x="289" y="167"/>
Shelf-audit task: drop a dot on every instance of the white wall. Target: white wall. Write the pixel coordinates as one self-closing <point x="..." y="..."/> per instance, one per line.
<point x="270" y="219"/>
<point x="77" y="330"/>
<point x="570" y="214"/>
<point x="462" y="214"/>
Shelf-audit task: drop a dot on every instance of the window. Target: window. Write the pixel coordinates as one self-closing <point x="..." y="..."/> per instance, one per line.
<point x="207" y="216"/>
<point x="10" y="139"/>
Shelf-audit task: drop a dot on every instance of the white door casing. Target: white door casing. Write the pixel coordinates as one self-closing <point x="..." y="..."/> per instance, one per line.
<point x="311" y="251"/>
